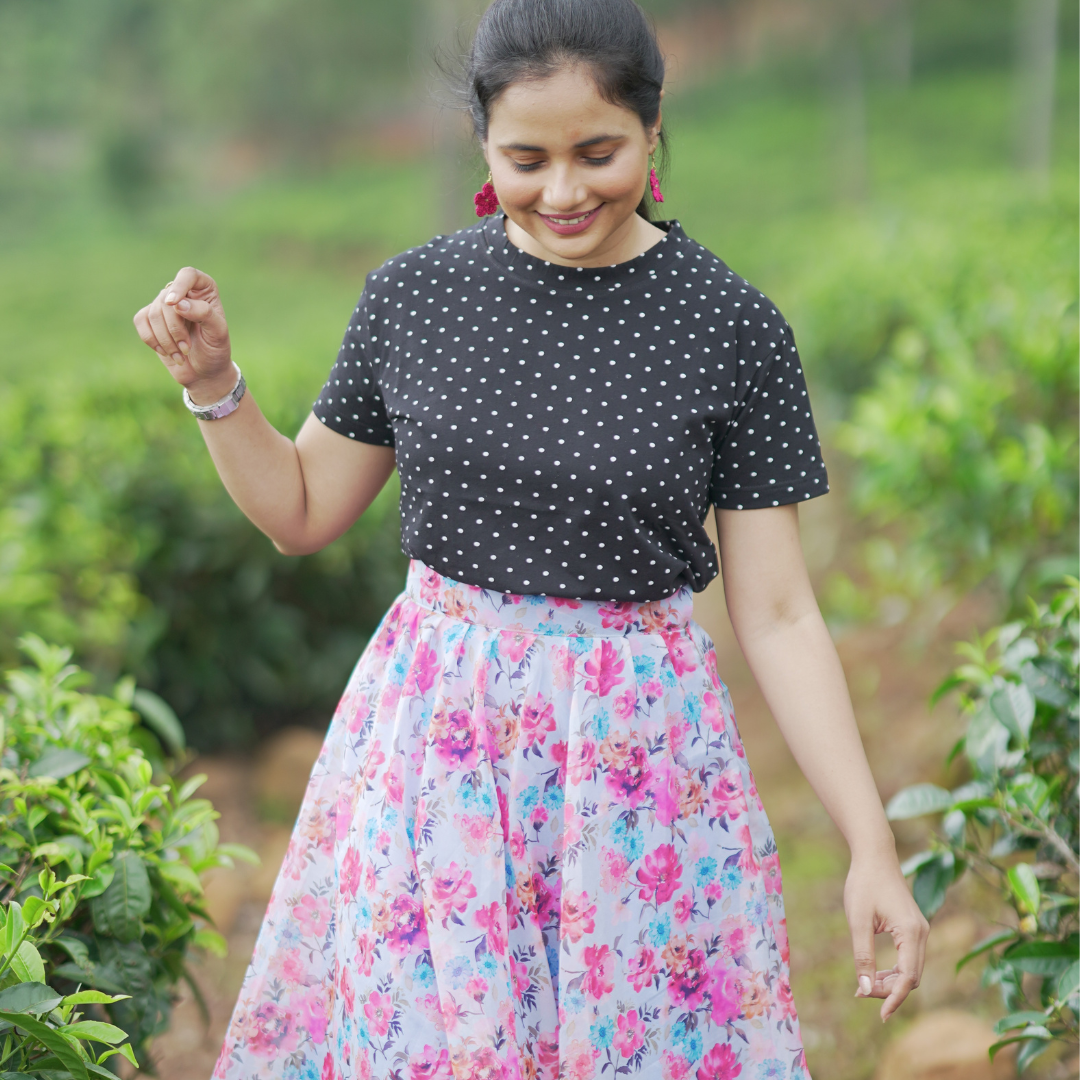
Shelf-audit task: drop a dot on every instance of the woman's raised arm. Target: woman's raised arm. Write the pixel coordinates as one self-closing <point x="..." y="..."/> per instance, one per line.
<point x="781" y="632"/>
<point x="302" y="494"/>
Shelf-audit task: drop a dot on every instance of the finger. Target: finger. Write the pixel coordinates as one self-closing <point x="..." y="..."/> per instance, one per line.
<point x="862" y="945"/>
<point x="194" y="310"/>
<point x="187" y="279"/>
<point x="161" y="332"/>
<point x="176" y="327"/>
<point x="909" y="972"/>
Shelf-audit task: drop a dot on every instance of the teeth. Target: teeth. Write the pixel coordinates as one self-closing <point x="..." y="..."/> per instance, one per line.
<point x="570" y="221"/>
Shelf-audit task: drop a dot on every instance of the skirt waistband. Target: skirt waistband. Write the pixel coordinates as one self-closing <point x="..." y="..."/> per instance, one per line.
<point x="540" y="614"/>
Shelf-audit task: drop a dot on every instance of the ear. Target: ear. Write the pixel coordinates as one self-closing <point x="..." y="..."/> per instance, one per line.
<point x="654" y="133"/>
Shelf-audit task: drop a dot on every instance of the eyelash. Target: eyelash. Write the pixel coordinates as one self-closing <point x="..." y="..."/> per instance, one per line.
<point x="592" y="161"/>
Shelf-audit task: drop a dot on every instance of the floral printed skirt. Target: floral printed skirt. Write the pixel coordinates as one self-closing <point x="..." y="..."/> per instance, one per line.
<point x="531" y="848"/>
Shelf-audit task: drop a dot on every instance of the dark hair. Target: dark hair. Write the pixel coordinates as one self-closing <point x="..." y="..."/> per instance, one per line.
<point x="532" y="39"/>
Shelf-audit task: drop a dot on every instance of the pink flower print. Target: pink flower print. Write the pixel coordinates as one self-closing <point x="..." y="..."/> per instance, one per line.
<point x="677" y="728"/>
<point x="687" y="986"/>
<point x="476" y="988"/>
<point x="780" y="933"/>
<point x="454" y="737"/>
<point x="625" y="705"/>
<point x="630" y="786"/>
<point x="492" y="919"/>
<point x="328" y="1070"/>
<point x="313" y="915"/>
<point x="363" y="1065"/>
<point x="676" y="1067"/>
<point x="784" y="998"/>
<point x="315" y="1007"/>
<point x="451" y="890"/>
<point x="660" y="874"/>
<point x="372" y="762"/>
<point x="271" y="1031"/>
<point x="577" y="916"/>
<point x="604" y="671"/>
<point x="430" y="586"/>
<point x="573" y="823"/>
<point x="422" y="671"/>
<point x="770" y="871"/>
<point x="641" y="967"/>
<point x="599" y="971"/>
<point x="349" y="881"/>
<point x="379" y="1011"/>
<point x="370" y="880"/>
<point x="719" y="1063"/>
<point x="581" y="761"/>
<point x="613" y="868"/>
<point x="360" y="711"/>
<point x="580" y="1061"/>
<point x="365" y="953"/>
<point x="477" y="832"/>
<point x="564" y="601"/>
<point x="539" y="815"/>
<point x="684" y="908"/>
<point x="665" y="788"/>
<point x="712" y="712"/>
<point x="735" y="934"/>
<point x="747" y="860"/>
<point x="382" y="842"/>
<point x="504" y="812"/>
<point x="342" y="816"/>
<point x="430" y="1064"/>
<point x="515" y="646"/>
<point x="630" y="1034"/>
<point x="517" y="844"/>
<point x="680" y="651"/>
<point x="616" y="616"/>
<point x="519" y="976"/>
<point x="557" y="753"/>
<point x="727" y="796"/>
<point x="394" y="780"/>
<point x="725" y="994"/>
<point x="407" y="929"/>
<point x="653" y="690"/>
<point x="348" y="992"/>
<point x="537" y="719"/>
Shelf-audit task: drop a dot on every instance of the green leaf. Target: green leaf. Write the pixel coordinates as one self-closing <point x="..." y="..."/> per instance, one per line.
<point x="34" y="911"/>
<point x="14" y="928"/>
<point x="51" y="1040"/>
<point x="32" y="997"/>
<point x="58" y="762"/>
<point x="1069" y="984"/>
<point x="1029" y="1052"/>
<point x="75" y="949"/>
<point x="1018" y="1019"/>
<point x="918" y="800"/>
<point x="932" y="882"/>
<point x="26" y="963"/>
<point x="1041" y="957"/>
<point x="93" y="974"/>
<point x="1014" y="706"/>
<point x="985" y="945"/>
<point x="212" y="941"/>
<point x="241" y="852"/>
<point x="99" y="881"/>
<point x="1025" y="887"/>
<point x="909" y="866"/>
<point x="161" y="719"/>
<point x="96" y="1030"/>
<point x="1044" y="686"/>
<point x="1035" y="1032"/>
<point x="118" y="912"/>
<point x="986" y="741"/>
<point x="181" y="874"/>
<point x="94" y="997"/>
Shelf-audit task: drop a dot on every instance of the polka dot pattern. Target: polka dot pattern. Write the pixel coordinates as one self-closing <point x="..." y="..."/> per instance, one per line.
<point x="564" y="430"/>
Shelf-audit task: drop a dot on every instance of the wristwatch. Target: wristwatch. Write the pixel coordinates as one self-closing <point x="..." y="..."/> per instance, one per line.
<point x="219" y="409"/>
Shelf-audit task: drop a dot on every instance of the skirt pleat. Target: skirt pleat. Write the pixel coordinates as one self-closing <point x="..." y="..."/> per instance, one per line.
<point x="531" y="849"/>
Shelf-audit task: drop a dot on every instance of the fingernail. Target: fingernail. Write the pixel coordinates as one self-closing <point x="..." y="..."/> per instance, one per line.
<point x="184" y="305"/>
<point x="170" y="298"/>
<point x="177" y="357"/>
<point x="865" y="986"/>
<point x="183" y="347"/>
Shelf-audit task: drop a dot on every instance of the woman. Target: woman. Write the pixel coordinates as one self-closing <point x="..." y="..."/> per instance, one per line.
<point x="532" y="846"/>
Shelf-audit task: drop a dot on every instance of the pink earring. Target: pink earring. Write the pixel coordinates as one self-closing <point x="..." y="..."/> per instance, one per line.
<point x="657" y="194"/>
<point x="487" y="202"/>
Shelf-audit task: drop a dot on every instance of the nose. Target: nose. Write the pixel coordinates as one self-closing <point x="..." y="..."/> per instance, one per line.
<point x="565" y="189"/>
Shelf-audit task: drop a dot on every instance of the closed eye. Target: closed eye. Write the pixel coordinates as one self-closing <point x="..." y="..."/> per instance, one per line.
<point x="533" y="165"/>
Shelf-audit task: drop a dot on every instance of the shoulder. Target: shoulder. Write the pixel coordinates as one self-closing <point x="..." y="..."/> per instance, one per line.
<point x="445" y="259"/>
<point x="721" y="286"/>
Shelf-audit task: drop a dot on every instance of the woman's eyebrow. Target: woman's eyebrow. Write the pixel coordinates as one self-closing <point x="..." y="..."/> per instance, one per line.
<point x="526" y="148"/>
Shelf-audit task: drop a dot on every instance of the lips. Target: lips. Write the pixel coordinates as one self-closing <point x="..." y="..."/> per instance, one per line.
<point x="569" y="225"/>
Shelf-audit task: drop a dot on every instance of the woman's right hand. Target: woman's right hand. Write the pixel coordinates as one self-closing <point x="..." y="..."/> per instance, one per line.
<point x="185" y="325"/>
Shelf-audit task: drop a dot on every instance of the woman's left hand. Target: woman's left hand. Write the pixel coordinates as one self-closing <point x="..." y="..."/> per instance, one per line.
<point x="877" y="901"/>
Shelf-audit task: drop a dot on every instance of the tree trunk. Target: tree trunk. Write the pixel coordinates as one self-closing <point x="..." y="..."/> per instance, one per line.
<point x="1036" y="31"/>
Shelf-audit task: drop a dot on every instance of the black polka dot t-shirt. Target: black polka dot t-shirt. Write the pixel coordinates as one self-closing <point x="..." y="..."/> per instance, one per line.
<point x="564" y="430"/>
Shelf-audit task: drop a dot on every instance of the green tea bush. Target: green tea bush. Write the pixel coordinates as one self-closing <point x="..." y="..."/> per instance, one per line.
<point x="1014" y="823"/>
<point x="118" y="539"/>
<point x="100" y="857"/>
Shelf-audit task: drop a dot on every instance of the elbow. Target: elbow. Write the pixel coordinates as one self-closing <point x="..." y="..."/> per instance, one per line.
<point x="295" y="547"/>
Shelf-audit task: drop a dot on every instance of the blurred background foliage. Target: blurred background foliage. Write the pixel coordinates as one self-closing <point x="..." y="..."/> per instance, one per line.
<point x="899" y="175"/>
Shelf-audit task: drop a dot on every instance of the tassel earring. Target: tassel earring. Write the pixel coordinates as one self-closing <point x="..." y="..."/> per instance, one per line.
<point x="487" y="202"/>
<point x="657" y="194"/>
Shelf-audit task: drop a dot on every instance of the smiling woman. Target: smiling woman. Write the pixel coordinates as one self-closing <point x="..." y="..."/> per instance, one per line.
<point x="532" y="846"/>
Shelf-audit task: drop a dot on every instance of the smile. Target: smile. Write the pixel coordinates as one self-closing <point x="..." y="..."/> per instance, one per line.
<point x="566" y="225"/>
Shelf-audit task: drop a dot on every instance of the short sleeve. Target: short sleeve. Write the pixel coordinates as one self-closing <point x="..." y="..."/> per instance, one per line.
<point x="769" y="453"/>
<point x="351" y="401"/>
